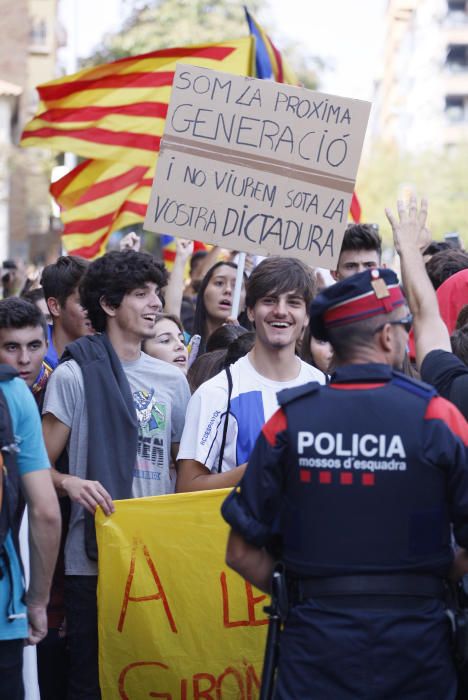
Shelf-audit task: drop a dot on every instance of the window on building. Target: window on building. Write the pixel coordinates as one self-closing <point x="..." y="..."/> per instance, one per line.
<point x="38" y="33"/>
<point x="456" y="5"/>
<point x="457" y="57"/>
<point x="455" y="108"/>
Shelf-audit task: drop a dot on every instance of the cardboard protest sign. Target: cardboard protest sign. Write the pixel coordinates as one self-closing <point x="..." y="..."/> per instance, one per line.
<point x="174" y="621"/>
<point x="257" y="166"/>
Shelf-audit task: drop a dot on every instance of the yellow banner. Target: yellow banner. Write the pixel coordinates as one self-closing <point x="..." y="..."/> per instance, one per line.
<point x="174" y="622"/>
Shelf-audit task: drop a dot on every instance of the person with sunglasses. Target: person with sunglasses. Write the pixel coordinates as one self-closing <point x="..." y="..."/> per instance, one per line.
<point x="357" y="488"/>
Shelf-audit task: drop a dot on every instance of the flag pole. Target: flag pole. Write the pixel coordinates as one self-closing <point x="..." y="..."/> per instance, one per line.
<point x="238" y="286"/>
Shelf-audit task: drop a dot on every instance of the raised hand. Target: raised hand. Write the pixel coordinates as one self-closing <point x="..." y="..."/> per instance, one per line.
<point x="410" y="228"/>
<point x="130" y="242"/>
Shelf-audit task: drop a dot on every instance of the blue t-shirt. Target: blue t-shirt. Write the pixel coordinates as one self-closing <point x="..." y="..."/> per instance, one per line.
<point x="32" y="456"/>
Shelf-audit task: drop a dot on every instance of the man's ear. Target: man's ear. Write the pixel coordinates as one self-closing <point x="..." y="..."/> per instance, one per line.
<point x="109" y="310"/>
<point x="334" y="274"/>
<point x="54" y="307"/>
<point x="250" y="315"/>
<point x="385" y="338"/>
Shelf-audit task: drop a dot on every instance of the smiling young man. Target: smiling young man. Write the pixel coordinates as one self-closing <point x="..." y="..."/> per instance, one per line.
<point x="213" y="454"/>
<point x="120" y="415"/>
<point x="23" y="337"/>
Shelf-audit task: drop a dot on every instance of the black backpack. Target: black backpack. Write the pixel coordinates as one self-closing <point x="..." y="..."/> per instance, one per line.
<point x="9" y="476"/>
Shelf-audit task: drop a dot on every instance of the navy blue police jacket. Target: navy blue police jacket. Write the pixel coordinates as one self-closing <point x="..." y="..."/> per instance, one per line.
<point x="364" y="475"/>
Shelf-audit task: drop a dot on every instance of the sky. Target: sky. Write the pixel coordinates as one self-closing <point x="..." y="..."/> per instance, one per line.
<point x="347" y="35"/>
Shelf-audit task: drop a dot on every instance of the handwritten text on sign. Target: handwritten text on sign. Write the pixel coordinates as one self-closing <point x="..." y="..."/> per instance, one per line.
<point x="257" y="166"/>
<point x="174" y="622"/>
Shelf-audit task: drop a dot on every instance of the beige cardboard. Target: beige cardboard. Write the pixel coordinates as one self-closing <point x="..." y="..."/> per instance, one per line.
<point x="257" y="166"/>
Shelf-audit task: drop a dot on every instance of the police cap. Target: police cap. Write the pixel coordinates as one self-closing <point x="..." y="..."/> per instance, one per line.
<point x="355" y="298"/>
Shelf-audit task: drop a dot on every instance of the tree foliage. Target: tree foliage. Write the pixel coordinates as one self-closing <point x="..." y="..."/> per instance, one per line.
<point x="387" y="175"/>
<point x="165" y="23"/>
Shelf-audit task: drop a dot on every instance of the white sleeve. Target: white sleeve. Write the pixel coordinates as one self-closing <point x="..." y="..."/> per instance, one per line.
<point x="203" y="431"/>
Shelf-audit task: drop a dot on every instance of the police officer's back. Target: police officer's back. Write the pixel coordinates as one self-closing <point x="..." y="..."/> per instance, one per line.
<point x="360" y="482"/>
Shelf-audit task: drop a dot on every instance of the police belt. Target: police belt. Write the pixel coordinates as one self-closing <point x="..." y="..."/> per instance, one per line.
<point x="376" y="589"/>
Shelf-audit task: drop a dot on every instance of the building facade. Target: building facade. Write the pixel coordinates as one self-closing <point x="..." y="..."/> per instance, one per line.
<point x="27" y="58"/>
<point x="422" y="96"/>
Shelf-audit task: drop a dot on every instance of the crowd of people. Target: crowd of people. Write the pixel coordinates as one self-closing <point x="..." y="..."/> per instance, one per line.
<point x="133" y="382"/>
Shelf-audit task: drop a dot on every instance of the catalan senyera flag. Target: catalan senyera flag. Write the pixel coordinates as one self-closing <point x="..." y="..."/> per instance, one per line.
<point x="113" y="115"/>
<point x="99" y="197"/>
<point x="116" y="111"/>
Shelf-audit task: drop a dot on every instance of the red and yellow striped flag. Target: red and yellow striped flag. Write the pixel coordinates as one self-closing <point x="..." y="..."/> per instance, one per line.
<point x="99" y="197"/>
<point x="113" y="115"/>
<point x="117" y="111"/>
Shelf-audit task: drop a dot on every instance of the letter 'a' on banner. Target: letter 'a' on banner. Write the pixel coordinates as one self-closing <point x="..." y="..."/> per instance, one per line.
<point x="257" y="166"/>
<point x="173" y="620"/>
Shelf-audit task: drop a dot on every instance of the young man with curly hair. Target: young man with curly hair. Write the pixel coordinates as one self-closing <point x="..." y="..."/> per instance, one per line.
<point x="120" y="414"/>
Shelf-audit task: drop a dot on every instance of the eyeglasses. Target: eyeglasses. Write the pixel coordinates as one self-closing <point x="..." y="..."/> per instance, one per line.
<point x="406" y="322"/>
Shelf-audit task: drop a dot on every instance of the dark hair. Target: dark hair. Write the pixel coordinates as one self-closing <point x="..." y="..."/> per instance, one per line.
<point x="112" y="277"/>
<point x="362" y="237"/>
<point x="199" y="321"/>
<point x="33" y="295"/>
<point x="278" y="275"/>
<point x="305" y="352"/>
<point x="462" y="318"/>
<point x="223" y="336"/>
<point x="196" y="258"/>
<point x="436" y="247"/>
<point x="60" y="279"/>
<point x="239" y="347"/>
<point x="445" y="264"/>
<point x="205" y="366"/>
<point x="303" y="349"/>
<point x="20" y="313"/>
<point x="162" y="317"/>
<point x="459" y="342"/>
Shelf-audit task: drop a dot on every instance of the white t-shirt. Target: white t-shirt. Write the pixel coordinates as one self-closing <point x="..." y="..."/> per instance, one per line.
<point x="253" y="402"/>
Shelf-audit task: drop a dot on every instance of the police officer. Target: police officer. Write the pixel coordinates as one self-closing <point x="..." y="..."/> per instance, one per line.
<point x="359" y="482"/>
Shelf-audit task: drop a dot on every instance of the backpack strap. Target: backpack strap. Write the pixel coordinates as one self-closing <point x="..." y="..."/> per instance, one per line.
<point x="225" y="426"/>
<point x="9" y="476"/>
